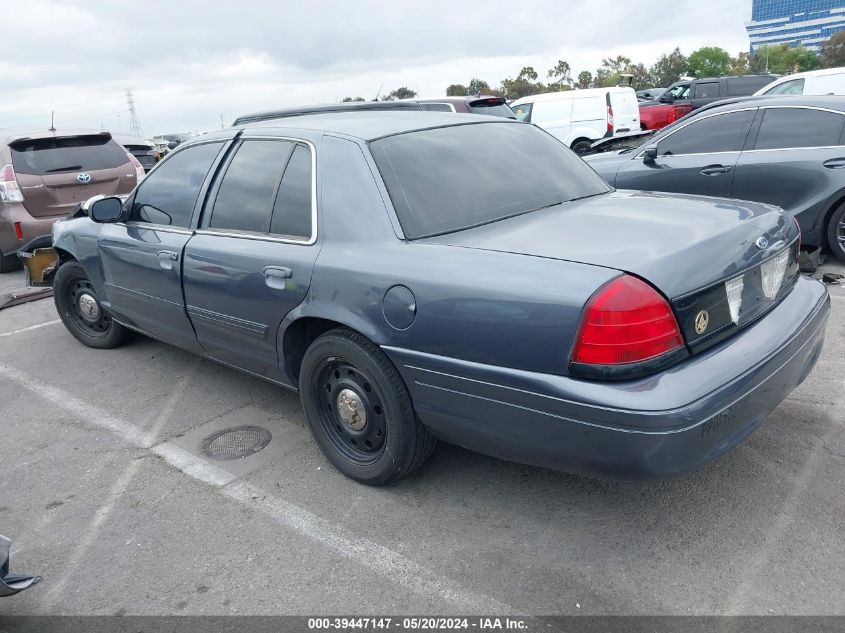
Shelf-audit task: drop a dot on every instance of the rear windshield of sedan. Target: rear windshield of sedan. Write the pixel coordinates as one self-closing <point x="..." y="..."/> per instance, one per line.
<point x="453" y="178"/>
<point x="39" y="157"/>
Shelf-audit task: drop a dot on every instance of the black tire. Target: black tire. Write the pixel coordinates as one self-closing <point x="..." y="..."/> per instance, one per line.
<point x="581" y="147"/>
<point x="836" y="233"/>
<point x="391" y="442"/>
<point x="72" y="289"/>
<point x="10" y="263"/>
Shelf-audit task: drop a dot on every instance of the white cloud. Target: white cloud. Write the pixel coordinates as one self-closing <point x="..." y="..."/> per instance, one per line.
<point x="189" y="61"/>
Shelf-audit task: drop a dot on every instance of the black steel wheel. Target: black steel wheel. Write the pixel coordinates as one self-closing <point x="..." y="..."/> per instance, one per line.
<point x="359" y="409"/>
<point x="582" y="147"/>
<point x="836" y="233"/>
<point x="80" y="310"/>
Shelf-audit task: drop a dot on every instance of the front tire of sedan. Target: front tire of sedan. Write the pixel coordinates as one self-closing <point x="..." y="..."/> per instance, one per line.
<point x="836" y="233"/>
<point x="360" y="411"/>
<point x="79" y="308"/>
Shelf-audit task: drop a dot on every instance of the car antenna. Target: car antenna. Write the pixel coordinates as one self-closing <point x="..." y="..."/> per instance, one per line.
<point x="52" y="119"/>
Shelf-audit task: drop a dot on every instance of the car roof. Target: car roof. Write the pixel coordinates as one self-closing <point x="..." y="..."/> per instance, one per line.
<point x="458" y="99"/>
<point x="356" y="106"/>
<point x="571" y="94"/>
<point x="13" y="137"/>
<point x="813" y="73"/>
<point x="831" y="102"/>
<point x="367" y="126"/>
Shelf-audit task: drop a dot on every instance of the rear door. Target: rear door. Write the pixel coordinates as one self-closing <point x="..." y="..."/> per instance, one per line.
<point x="704" y="92"/>
<point x="251" y="262"/>
<point x="55" y="174"/>
<point x="626" y="110"/>
<point x="698" y="157"/>
<point x="142" y="258"/>
<point x="795" y="160"/>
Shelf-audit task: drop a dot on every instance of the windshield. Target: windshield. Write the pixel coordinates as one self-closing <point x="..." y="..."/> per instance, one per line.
<point x="491" y="107"/>
<point x="452" y="178"/>
<point x="40" y="157"/>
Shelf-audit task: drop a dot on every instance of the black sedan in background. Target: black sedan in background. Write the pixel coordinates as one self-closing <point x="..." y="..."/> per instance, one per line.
<point x="786" y="151"/>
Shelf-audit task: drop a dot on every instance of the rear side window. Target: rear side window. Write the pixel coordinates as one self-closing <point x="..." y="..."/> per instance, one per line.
<point x="523" y="111"/>
<point x="249" y="187"/>
<point x="794" y="87"/>
<point x="437" y="107"/>
<point x="706" y="90"/>
<point x="168" y="195"/>
<point x="783" y="128"/>
<point x="292" y="211"/>
<point x="720" y="133"/>
<point x="77" y="153"/>
<point x="741" y="86"/>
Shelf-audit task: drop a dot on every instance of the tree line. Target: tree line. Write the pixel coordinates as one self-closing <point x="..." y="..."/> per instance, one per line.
<point x="709" y="61"/>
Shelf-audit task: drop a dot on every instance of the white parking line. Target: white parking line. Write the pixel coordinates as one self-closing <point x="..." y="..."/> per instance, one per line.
<point x="32" y="327"/>
<point x="382" y="560"/>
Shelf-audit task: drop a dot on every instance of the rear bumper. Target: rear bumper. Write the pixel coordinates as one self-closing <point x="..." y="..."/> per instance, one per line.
<point x="31" y="227"/>
<point x="663" y="425"/>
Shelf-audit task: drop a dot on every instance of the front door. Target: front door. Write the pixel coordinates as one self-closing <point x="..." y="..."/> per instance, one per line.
<point x="697" y="158"/>
<point x="251" y="262"/>
<point x="142" y="258"/>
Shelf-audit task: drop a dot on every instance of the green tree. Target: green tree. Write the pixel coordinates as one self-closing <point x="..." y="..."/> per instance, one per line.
<point x="611" y="69"/>
<point x="710" y="61"/>
<point x="585" y="79"/>
<point x="400" y="93"/>
<point x="781" y="59"/>
<point x="562" y="74"/>
<point x="528" y="73"/>
<point x="478" y="87"/>
<point x="833" y="51"/>
<point x="457" y="90"/>
<point x="740" y="64"/>
<point x="669" y="68"/>
<point x="641" y="76"/>
<point x="348" y="99"/>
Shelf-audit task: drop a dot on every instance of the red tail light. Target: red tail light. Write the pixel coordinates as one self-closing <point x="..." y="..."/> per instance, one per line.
<point x="139" y="168"/>
<point x="9" y="189"/>
<point x="625" y="322"/>
<point x="610" y="119"/>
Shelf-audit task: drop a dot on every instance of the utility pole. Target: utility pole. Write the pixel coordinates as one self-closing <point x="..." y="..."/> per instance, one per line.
<point x="222" y="125"/>
<point x="134" y="123"/>
<point x="52" y="120"/>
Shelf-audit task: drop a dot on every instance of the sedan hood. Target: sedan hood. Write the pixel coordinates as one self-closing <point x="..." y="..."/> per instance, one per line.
<point x="607" y="164"/>
<point x="679" y="243"/>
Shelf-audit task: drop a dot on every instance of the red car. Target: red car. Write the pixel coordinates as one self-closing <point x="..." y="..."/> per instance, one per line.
<point x="657" y="115"/>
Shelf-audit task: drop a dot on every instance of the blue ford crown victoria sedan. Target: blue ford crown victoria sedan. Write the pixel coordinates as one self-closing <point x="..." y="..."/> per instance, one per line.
<point x="418" y="276"/>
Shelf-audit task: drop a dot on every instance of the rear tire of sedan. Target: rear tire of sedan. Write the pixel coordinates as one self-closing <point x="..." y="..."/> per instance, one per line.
<point x="79" y="308"/>
<point x="10" y="263"/>
<point x="836" y="233"/>
<point x="360" y="411"/>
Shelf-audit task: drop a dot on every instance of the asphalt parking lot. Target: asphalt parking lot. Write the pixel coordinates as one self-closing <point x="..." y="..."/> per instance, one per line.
<point x="105" y="491"/>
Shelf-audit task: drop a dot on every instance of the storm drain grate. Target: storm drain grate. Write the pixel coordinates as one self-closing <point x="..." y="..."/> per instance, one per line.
<point x="237" y="442"/>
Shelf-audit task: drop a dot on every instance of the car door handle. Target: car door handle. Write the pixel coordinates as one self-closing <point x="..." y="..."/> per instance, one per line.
<point x="166" y="259"/>
<point x="834" y="163"/>
<point x="714" y="170"/>
<point x="275" y="276"/>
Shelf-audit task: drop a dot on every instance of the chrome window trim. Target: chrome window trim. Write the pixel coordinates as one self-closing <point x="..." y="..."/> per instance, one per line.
<point x="165" y="228"/>
<point x="688" y="123"/>
<point x="269" y="237"/>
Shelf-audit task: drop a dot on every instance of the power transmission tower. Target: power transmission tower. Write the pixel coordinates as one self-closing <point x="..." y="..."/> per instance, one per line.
<point x="134" y="123"/>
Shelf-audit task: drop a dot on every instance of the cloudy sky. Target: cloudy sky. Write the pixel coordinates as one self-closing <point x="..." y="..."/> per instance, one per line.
<point x="189" y="62"/>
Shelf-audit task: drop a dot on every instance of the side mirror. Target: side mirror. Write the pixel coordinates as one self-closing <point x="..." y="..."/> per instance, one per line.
<point x="172" y="144"/>
<point x="666" y="98"/>
<point x="650" y="154"/>
<point x="106" y="210"/>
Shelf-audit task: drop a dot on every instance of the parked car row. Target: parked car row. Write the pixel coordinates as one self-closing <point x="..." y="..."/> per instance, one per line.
<point x="429" y="288"/>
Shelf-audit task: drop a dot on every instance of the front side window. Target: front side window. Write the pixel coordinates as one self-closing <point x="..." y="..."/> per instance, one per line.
<point x="706" y="90"/>
<point x="168" y="195"/>
<point x="794" y="87"/>
<point x="523" y="111"/>
<point x="453" y="178"/>
<point x="784" y="128"/>
<point x="719" y="133"/>
<point x="249" y="187"/>
<point x="681" y="91"/>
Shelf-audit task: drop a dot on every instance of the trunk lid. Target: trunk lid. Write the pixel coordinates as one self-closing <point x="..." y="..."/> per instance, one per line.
<point x="56" y="173"/>
<point x="686" y="246"/>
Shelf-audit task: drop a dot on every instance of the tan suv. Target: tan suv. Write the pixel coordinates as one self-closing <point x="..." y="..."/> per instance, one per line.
<point x="45" y="175"/>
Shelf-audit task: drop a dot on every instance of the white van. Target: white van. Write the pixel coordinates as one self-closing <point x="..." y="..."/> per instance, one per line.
<point x="830" y="81"/>
<point x="580" y="117"/>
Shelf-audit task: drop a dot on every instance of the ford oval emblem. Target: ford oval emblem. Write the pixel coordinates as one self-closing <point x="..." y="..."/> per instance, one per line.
<point x="762" y="243"/>
<point x="84" y="178"/>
